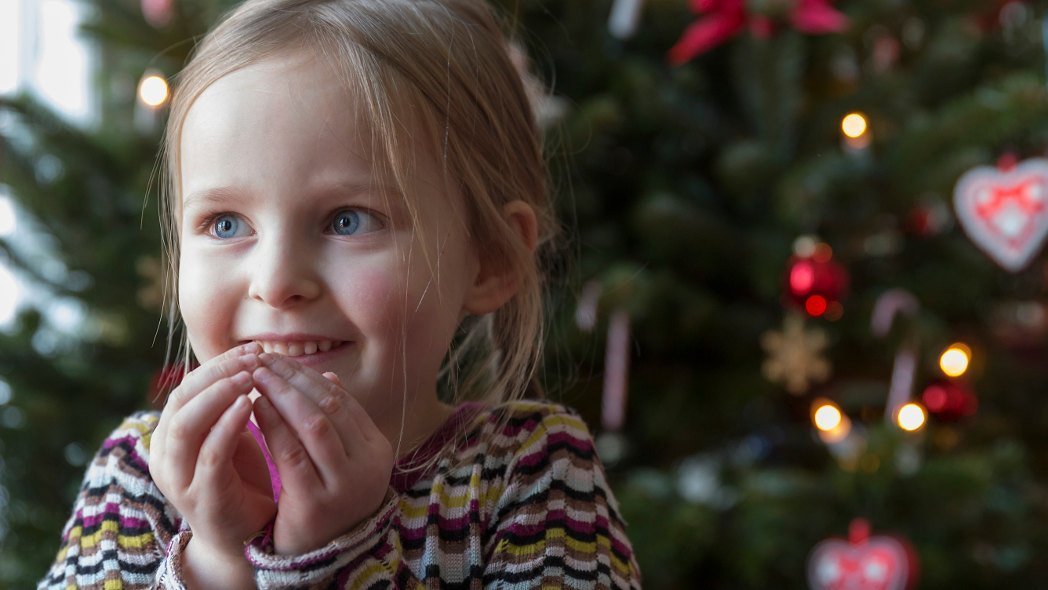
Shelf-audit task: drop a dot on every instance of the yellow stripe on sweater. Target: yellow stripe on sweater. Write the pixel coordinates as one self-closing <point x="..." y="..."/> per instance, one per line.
<point x="419" y="507"/>
<point x="109" y="528"/>
<point x="574" y="426"/>
<point x="581" y="547"/>
<point x="369" y="575"/>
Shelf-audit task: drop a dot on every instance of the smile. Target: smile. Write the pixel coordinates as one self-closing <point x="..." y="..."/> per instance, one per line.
<point x="299" y="348"/>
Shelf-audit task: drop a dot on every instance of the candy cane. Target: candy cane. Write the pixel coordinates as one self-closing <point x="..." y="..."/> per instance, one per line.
<point x="888" y="306"/>
<point x="616" y="371"/>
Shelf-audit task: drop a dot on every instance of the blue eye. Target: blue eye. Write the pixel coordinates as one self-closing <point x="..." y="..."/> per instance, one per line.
<point x="349" y="222"/>
<point x="346" y="223"/>
<point x="225" y="226"/>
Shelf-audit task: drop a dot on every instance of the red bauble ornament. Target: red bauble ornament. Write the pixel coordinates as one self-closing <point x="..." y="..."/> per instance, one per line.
<point x="816" y="283"/>
<point x="949" y="400"/>
<point x="862" y="562"/>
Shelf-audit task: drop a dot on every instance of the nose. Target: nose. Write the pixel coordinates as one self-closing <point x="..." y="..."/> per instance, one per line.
<point x="284" y="273"/>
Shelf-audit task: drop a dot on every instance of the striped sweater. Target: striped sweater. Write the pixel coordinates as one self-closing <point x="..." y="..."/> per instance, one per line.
<point x="516" y="498"/>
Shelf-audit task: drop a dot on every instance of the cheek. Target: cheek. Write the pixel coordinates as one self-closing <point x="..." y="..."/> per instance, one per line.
<point x="373" y="297"/>
<point x="397" y="303"/>
<point x="204" y="299"/>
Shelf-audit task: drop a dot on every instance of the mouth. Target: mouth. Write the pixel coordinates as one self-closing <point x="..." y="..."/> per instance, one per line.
<point x="301" y="349"/>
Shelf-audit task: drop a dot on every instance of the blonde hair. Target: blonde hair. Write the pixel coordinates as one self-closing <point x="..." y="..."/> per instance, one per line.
<point x="435" y="67"/>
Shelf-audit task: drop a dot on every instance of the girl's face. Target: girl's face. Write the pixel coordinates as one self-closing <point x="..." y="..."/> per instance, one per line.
<point x="286" y="240"/>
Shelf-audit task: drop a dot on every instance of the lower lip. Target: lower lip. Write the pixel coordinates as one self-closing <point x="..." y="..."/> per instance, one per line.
<point x="318" y="357"/>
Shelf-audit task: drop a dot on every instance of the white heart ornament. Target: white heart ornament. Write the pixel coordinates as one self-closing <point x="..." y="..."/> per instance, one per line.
<point x="878" y="563"/>
<point x="1005" y="213"/>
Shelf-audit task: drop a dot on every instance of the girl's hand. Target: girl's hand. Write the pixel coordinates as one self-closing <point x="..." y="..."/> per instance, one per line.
<point x="334" y="463"/>
<point x="209" y="467"/>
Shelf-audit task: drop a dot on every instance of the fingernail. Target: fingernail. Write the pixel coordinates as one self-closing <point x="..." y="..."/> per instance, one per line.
<point x="248" y="359"/>
<point x="252" y="347"/>
<point x="242" y="378"/>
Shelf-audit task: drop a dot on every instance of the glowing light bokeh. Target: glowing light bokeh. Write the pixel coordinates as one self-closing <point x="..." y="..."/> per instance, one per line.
<point x="911" y="417"/>
<point x="854" y="125"/>
<point x="816" y="305"/>
<point x="802" y="277"/>
<point x="827" y="417"/>
<point x="954" y="360"/>
<point x="153" y="91"/>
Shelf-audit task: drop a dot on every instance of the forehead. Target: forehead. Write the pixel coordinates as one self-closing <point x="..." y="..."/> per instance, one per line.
<point x="290" y="124"/>
<point x="272" y="109"/>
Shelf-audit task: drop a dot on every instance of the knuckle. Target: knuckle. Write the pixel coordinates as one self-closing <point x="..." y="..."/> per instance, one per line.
<point x="294" y="455"/>
<point x="209" y="458"/>
<point x="178" y="397"/>
<point x="331" y="404"/>
<point x="333" y="388"/>
<point x="180" y="430"/>
<point x="318" y="425"/>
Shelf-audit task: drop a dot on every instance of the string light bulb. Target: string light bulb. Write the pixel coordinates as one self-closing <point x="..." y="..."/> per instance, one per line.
<point x="827" y="417"/>
<point x="832" y="424"/>
<point x="855" y="131"/>
<point x="854" y="125"/>
<point x="955" y="359"/>
<point x="911" y="417"/>
<point x="153" y="90"/>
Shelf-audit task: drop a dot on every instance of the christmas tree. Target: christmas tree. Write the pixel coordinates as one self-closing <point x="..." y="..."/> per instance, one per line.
<point x="788" y="219"/>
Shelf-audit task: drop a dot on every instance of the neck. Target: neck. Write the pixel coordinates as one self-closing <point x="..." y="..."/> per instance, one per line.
<point x="419" y="420"/>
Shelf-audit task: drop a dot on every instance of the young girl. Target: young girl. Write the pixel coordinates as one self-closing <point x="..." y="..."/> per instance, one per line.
<point x="355" y="204"/>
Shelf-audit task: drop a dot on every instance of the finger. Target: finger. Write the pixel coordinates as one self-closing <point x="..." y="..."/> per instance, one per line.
<point x="293" y="463"/>
<point x="314" y="428"/>
<point x="354" y="424"/>
<point x="333" y="377"/>
<point x="190" y="426"/>
<point x="230" y="362"/>
<point x="227" y="364"/>
<point x="214" y="463"/>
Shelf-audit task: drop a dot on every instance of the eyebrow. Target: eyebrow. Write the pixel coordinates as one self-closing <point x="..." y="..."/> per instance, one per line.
<point x="212" y="195"/>
<point x="225" y="194"/>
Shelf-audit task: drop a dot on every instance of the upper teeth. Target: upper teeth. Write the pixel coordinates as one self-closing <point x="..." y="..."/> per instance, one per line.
<point x="299" y="348"/>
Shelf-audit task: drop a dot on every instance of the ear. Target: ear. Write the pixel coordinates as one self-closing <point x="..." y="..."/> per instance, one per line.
<point x="496" y="283"/>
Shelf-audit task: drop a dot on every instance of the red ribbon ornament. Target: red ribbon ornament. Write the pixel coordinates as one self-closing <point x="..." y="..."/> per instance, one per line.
<point x="726" y="18"/>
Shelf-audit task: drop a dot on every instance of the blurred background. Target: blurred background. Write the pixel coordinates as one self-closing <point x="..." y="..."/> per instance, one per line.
<point x="806" y="314"/>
